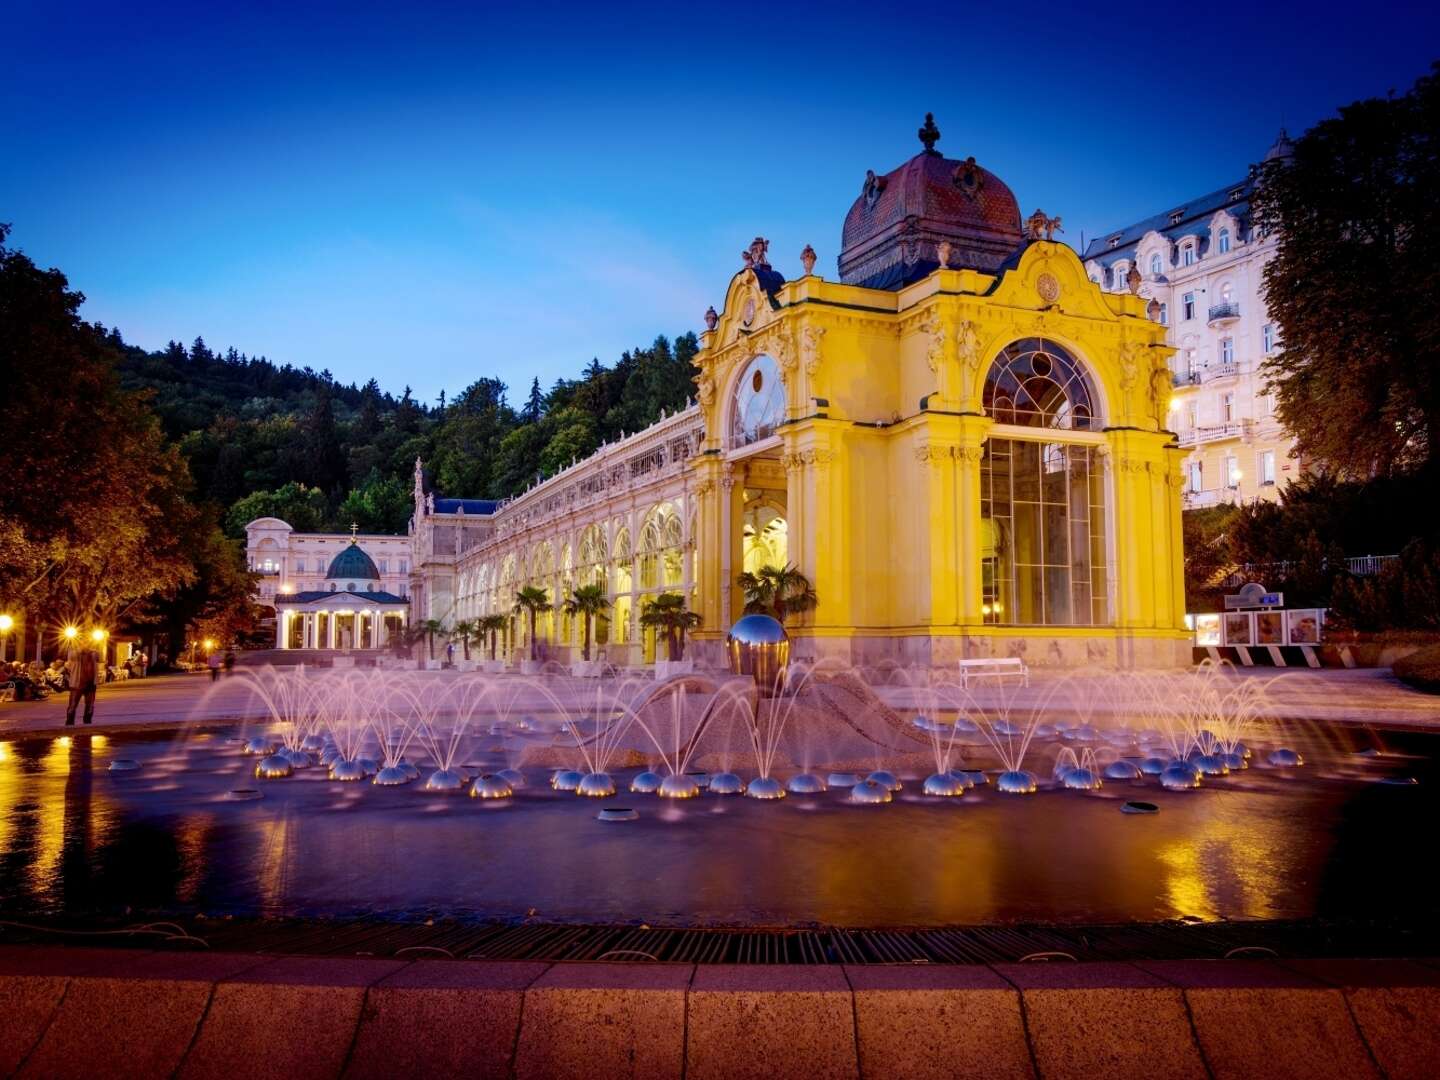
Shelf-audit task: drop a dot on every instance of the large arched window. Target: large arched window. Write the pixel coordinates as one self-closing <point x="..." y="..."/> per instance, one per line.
<point x="1036" y="383"/>
<point x="590" y="564"/>
<point x="758" y="406"/>
<point x="660" y="548"/>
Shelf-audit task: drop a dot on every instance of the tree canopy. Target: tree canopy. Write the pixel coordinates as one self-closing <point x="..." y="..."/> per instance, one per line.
<point x="1353" y="284"/>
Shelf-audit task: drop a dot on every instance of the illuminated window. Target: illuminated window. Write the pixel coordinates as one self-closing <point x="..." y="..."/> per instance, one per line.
<point x="758" y="407"/>
<point x="1036" y="383"/>
<point x="1188" y="305"/>
<point x="1043" y="534"/>
<point x="1155" y="266"/>
<point x="1267" y="338"/>
<point x="1224" y="241"/>
<point x="1266" y="466"/>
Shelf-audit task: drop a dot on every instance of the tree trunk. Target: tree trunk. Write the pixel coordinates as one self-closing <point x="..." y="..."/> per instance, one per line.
<point x="492" y="645"/>
<point x="585" y="649"/>
<point x="534" y="645"/>
<point x="465" y="644"/>
<point x="680" y="645"/>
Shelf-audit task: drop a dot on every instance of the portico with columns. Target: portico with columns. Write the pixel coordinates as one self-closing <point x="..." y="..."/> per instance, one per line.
<point x="350" y="614"/>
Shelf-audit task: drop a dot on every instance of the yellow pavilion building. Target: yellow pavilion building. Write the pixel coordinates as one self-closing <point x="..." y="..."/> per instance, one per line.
<point x="962" y="443"/>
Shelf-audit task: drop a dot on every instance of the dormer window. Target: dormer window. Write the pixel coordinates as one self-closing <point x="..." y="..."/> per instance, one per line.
<point x="1223" y="241"/>
<point x="1114" y="241"/>
<point x="1237" y="194"/>
<point x="1187" y="255"/>
<point x="1155" y="266"/>
<point x="1177" y="216"/>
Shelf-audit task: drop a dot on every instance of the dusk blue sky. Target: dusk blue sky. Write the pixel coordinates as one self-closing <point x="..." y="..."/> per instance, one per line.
<point x="430" y="193"/>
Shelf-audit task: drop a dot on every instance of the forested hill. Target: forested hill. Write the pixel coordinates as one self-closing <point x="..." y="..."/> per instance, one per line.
<point x="262" y="438"/>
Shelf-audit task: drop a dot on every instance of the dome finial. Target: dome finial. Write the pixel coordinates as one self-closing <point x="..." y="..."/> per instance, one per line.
<point x="354" y="528"/>
<point x="929" y="134"/>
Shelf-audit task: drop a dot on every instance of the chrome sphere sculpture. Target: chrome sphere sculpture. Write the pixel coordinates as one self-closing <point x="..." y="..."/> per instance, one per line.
<point x="490" y="786"/>
<point x="1123" y="770"/>
<point x="445" y="780"/>
<point x="566" y="780"/>
<point x="804" y="783"/>
<point x="945" y="783"/>
<point x="726" y="783"/>
<point x="410" y="770"/>
<point x="259" y="745"/>
<point x="1235" y="761"/>
<point x="272" y="767"/>
<point x="758" y="646"/>
<point x="391" y="776"/>
<point x="646" y="783"/>
<point x="1285" y="759"/>
<point x="312" y="744"/>
<point x="1016" y="782"/>
<point x="596" y="785"/>
<point x="889" y="779"/>
<point x="1153" y="766"/>
<point x="369" y="764"/>
<point x="330" y="755"/>
<point x="1177" y="777"/>
<point x="765" y="787"/>
<point x="347" y="771"/>
<point x="869" y="793"/>
<point x="298" y="759"/>
<point x="514" y="777"/>
<point x="678" y="786"/>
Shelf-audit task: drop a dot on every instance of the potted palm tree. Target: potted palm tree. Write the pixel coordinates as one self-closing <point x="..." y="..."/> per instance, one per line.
<point x="491" y="625"/>
<point x="463" y="632"/>
<point x="667" y="613"/>
<point x="431" y="628"/>
<point x="777" y="591"/>
<point x="587" y="601"/>
<point x="532" y="600"/>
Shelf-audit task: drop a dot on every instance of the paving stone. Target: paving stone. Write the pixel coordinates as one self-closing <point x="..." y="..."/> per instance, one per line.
<point x="1252" y="1016"/>
<point x="765" y="1021"/>
<point x="27" y="1004"/>
<point x="612" y="1020"/>
<point x="1104" y="1020"/>
<point x="938" y="1021"/>
<point x="289" y="1018"/>
<point x="440" y="1018"/>
<point x="120" y="1027"/>
<point x="1396" y="1003"/>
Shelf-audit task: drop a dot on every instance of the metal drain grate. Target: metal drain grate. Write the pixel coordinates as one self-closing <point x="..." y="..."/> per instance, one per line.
<point x="644" y="944"/>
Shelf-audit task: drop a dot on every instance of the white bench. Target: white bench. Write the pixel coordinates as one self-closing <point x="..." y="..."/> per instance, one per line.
<point x="995" y="666"/>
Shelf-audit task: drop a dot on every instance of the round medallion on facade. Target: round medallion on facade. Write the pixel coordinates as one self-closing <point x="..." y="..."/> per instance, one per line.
<point x="747" y="314"/>
<point x="1048" y="286"/>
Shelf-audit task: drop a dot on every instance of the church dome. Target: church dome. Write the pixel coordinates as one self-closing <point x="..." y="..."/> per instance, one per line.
<point x="353" y="563"/>
<point x="894" y="229"/>
<point x="1282" y="149"/>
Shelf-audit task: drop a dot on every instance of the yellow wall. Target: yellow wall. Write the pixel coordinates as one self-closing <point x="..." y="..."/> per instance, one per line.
<point x="884" y="494"/>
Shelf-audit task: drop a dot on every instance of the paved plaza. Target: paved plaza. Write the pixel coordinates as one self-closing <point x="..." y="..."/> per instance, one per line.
<point x="1357" y="696"/>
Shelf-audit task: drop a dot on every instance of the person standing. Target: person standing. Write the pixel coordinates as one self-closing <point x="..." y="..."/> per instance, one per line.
<point x="213" y="662"/>
<point x="83" y="673"/>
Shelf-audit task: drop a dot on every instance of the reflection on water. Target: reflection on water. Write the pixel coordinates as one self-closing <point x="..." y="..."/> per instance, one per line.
<point x="1259" y="844"/>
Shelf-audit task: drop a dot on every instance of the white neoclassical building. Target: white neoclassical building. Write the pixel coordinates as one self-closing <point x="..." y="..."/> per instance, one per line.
<point x="330" y="591"/>
<point x="1203" y="264"/>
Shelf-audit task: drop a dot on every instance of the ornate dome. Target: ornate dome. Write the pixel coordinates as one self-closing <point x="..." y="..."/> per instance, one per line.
<point x="353" y="563"/>
<point x="893" y="230"/>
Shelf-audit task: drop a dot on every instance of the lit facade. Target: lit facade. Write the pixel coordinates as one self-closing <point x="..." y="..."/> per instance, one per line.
<point x="964" y="444"/>
<point x="1203" y="263"/>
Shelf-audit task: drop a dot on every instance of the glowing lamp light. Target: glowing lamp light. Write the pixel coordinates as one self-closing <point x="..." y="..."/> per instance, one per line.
<point x="97" y="635"/>
<point x="6" y="623"/>
<point x="209" y="644"/>
<point x="985" y="609"/>
<point x="71" y="633"/>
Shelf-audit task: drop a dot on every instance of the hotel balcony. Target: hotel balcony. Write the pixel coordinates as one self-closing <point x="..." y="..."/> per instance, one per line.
<point x="1186" y="378"/>
<point x="1199" y="436"/>
<point x="1222" y="314"/>
<point x="1218" y="371"/>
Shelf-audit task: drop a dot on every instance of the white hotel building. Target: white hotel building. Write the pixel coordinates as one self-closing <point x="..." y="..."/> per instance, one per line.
<point x="1203" y="264"/>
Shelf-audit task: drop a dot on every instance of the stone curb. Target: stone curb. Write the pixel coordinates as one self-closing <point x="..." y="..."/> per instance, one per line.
<point x="115" y="1012"/>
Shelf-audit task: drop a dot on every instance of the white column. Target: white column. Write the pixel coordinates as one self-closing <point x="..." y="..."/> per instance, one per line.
<point x="282" y="640"/>
<point x="330" y="621"/>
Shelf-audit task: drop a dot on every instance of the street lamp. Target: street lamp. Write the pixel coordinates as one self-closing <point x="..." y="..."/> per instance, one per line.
<point x="71" y="632"/>
<point x="6" y="625"/>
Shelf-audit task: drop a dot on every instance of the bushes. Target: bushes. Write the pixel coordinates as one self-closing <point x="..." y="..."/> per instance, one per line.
<point x="1406" y="592"/>
<point x="1421" y="669"/>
